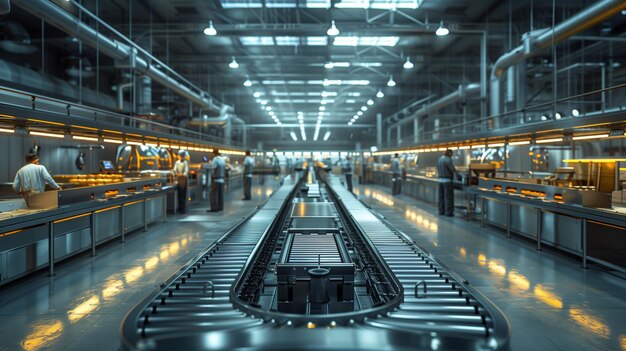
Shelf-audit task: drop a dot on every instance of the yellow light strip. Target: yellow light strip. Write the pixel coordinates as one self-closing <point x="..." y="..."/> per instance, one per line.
<point x="45" y="122"/>
<point x="6" y="130"/>
<point x="83" y="127"/>
<point x="11" y="233"/>
<point x="544" y="141"/>
<point x="112" y="141"/>
<point x="73" y="217"/>
<point x="50" y="135"/>
<point x="108" y="209"/>
<point x="597" y="160"/>
<point x="86" y="138"/>
<point x="111" y="131"/>
<point x="522" y="142"/>
<point x="586" y="137"/>
<point x="136" y="143"/>
<point x="495" y="145"/>
<point x="132" y="203"/>
<point x="464" y="147"/>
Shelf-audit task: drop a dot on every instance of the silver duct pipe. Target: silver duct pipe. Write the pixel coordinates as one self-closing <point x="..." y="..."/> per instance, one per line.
<point x="71" y="25"/>
<point x="532" y="43"/>
<point x="120" y="95"/>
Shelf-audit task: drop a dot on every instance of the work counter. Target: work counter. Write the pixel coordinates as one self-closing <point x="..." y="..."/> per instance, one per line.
<point x="593" y="233"/>
<point x="31" y="239"/>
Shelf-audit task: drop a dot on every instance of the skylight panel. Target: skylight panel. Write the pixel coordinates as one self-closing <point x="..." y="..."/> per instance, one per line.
<point x="252" y="41"/>
<point x="366" y="41"/>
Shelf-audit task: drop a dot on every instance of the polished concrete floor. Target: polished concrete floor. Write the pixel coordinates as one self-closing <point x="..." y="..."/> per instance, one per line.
<point x="82" y="307"/>
<point x="550" y="301"/>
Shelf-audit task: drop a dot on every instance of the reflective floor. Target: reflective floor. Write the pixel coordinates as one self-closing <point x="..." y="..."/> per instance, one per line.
<point x="82" y="307"/>
<point x="550" y="301"/>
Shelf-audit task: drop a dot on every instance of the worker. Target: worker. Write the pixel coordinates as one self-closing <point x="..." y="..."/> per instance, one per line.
<point x="32" y="178"/>
<point x="299" y="168"/>
<point x="396" y="175"/>
<point x="445" y="172"/>
<point x="346" y="169"/>
<point x="218" y="171"/>
<point x="181" y="170"/>
<point x="248" y="166"/>
<point x="206" y="175"/>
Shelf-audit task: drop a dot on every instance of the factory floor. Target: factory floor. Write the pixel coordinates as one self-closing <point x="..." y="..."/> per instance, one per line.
<point x="82" y="307"/>
<point x="550" y="301"/>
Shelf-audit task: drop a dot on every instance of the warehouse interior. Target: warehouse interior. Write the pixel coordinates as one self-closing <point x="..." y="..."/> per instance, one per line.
<point x="416" y="174"/>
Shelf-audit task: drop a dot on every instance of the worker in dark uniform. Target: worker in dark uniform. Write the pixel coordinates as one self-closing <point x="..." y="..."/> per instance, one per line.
<point x="346" y="169"/>
<point x="181" y="170"/>
<point x="248" y="167"/>
<point x="32" y="178"/>
<point x="445" y="172"/>
<point x="396" y="175"/>
<point x="218" y="171"/>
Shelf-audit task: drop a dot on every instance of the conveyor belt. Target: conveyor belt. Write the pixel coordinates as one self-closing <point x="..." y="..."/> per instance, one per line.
<point x="423" y="304"/>
<point x="435" y="300"/>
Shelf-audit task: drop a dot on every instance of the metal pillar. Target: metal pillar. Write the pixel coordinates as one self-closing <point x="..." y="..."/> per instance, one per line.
<point x="122" y="223"/>
<point x="51" y="249"/>
<point x="145" y="215"/>
<point x="508" y="220"/>
<point x="415" y="131"/>
<point x="92" y="232"/>
<point x="483" y="211"/>
<point x="379" y="130"/>
<point x="583" y="230"/>
<point x="539" y="229"/>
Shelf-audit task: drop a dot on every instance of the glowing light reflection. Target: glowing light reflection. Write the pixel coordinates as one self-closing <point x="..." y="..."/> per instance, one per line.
<point x="589" y="322"/>
<point x="43" y="335"/>
<point x="83" y="309"/>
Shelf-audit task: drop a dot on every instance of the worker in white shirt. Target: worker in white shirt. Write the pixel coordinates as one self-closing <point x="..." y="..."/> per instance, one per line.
<point x="218" y="171"/>
<point x="181" y="170"/>
<point x="248" y="167"/>
<point x="32" y="178"/>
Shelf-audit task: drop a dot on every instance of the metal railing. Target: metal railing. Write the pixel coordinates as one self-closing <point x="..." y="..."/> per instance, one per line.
<point x="36" y="102"/>
<point x="590" y="103"/>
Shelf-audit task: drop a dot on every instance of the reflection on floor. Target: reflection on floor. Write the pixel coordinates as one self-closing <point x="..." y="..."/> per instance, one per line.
<point x="551" y="302"/>
<point x="82" y="307"/>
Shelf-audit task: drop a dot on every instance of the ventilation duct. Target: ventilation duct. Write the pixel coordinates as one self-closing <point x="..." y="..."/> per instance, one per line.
<point x="534" y="42"/>
<point x="5" y="7"/>
<point x="123" y="55"/>
<point x="15" y="39"/>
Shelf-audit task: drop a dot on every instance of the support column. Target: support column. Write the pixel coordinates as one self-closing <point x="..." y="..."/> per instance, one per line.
<point x="92" y="232"/>
<point x="415" y="131"/>
<point x="122" y="223"/>
<point x="583" y="232"/>
<point x="539" y="229"/>
<point x="379" y="131"/>
<point x="51" y="249"/>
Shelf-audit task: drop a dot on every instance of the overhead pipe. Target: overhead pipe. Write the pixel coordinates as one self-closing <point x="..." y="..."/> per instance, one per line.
<point x="458" y="95"/>
<point x="533" y="43"/>
<point x="71" y="25"/>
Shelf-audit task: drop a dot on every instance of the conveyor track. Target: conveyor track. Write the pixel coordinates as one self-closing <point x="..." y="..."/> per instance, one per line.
<point x="424" y="305"/>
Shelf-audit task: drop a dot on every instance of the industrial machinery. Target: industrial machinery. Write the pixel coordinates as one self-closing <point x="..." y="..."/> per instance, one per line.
<point x="314" y="269"/>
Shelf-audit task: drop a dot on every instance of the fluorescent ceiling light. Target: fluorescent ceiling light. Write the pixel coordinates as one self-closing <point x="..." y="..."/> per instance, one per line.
<point x="46" y="134"/>
<point x="521" y="142"/>
<point x="85" y="138"/>
<point x="316" y="134"/>
<point x="117" y="141"/>
<point x="366" y="41"/>
<point x="495" y="145"/>
<point x="329" y="65"/>
<point x="359" y="113"/>
<point x="293" y="136"/>
<point x="247" y="83"/>
<point x="7" y="130"/>
<point x="442" y="30"/>
<point x="322" y="108"/>
<point x="391" y="82"/>
<point x="585" y="137"/>
<point x="350" y="101"/>
<point x="379" y="4"/>
<point x="575" y="112"/>
<point x="210" y="30"/>
<point x="370" y="102"/>
<point x="333" y="30"/>
<point x="380" y="94"/>
<point x="544" y="141"/>
<point x="363" y="108"/>
<point x="408" y="64"/>
<point x="233" y="64"/>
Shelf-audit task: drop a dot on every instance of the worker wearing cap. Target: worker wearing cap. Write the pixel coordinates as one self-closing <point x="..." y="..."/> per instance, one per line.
<point x="248" y="167"/>
<point x="32" y="178"/>
<point x="218" y="172"/>
<point x="181" y="169"/>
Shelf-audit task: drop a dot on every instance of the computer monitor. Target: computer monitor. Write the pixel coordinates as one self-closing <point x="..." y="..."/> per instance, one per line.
<point x="106" y="166"/>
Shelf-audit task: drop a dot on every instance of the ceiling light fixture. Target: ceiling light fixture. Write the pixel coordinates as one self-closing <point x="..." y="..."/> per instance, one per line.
<point x="257" y="94"/>
<point x="364" y="108"/>
<point x="575" y="112"/>
<point x="333" y="30"/>
<point x="293" y="136"/>
<point x="408" y="64"/>
<point x="210" y="30"/>
<point x="391" y="82"/>
<point x="370" y="102"/>
<point x="442" y="31"/>
<point x="329" y="65"/>
<point x="380" y="94"/>
<point x="327" y="135"/>
<point x="233" y="64"/>
<point x="247" y="83"/>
